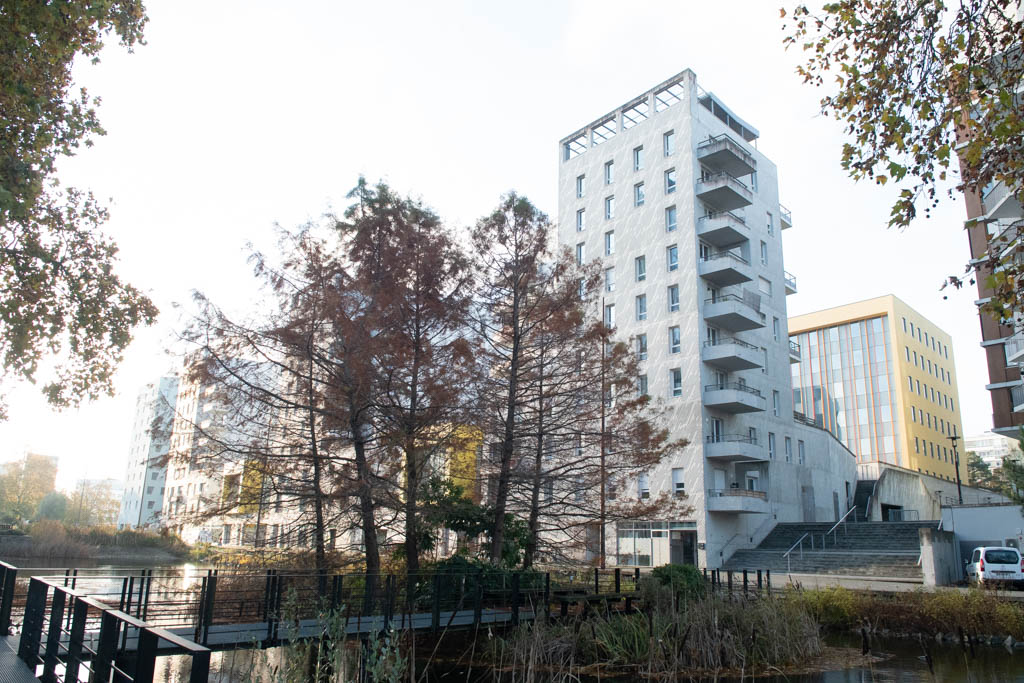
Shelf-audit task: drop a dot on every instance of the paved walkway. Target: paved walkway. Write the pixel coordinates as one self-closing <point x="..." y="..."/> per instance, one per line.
<point x="881" y="584"/>
<point x="12" y="669"/>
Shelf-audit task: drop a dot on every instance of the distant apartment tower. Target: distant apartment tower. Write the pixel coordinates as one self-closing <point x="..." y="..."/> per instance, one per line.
<point x="881" y="377"/>
<point x="669" y="192"/>
<point x="992" y="448"/>
<point x="143" y="493"/>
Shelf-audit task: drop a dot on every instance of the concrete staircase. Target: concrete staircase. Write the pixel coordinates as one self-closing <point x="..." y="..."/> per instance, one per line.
<point x="873" y="549"/>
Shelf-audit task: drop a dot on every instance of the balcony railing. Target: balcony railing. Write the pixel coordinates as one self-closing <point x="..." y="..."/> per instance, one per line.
<point x="727" y="255"/>
<point x="790" y="280"/>
<point x="730" y="297"/>
<point x="1017" y="397"/>
<point x="738" y="492"/>
<point x="785" y="216"/>
<point x="731" y="438"/>
<point x="723" y="341"/>
<point x="1014" y="346"/>
<point x="803" y="419"/>
<point x="794" y="348"/>
<point x="722" y="386"/>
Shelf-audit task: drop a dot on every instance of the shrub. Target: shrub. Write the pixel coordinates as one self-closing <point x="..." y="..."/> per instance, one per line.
<point x="683" y="579"/>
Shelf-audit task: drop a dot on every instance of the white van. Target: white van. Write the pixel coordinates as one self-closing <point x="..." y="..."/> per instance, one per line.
<point x="992" y="564"/>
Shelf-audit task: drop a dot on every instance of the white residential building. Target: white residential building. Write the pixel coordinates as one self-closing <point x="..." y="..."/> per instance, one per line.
<point x="992" y="447"/>
<point x="671" y="194"/>
<point x="144" y="480"/>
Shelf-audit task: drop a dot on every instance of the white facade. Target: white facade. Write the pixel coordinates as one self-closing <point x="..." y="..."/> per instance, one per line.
<point x="143" y="493"/>
<point x="991" y="447"/>
<point x="693" y="257"/>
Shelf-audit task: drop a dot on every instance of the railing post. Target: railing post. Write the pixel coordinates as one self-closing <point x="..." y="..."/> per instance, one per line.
<point x="389" y="602"/>
<point x="618" y="580"/>
<point x="515" y="598"/>
<point x="145" y="658"/>
<point x="759" y="584"/>
<point x="478" y="598"/>
<point x="636" y="575"/>
<point x="597" y="584"/>
<point x="435" y="613"/>
<point x="768" y="579"/>
<point x="32" y="624"/>
<point x="106" y="647"/>
<point x="744" y="582"/>
<point x="10" y="577"/>
<point x="547" y="596"/>
<point x="79" y="613"/>
<point x="728" y="578"/>
<point x="53" y="636"/>
<point x="200" y="667"/>
<point x="211" y="595"/>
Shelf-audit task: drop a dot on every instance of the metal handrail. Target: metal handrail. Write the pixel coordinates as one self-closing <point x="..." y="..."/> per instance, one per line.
<point x="789" y="278"/>
<point x="788" y="556"/>
<point x="794" y="347"/>
<point x="733" y="385"/>
<point x="718" y="214"/>
<point x="842" y="520"/>
<point x="721" y="341"/>
<point x="727" y="254"/>
<point x="737" y="491"/>
<point x="731" y="438"/>
<point x="723" y="175"/>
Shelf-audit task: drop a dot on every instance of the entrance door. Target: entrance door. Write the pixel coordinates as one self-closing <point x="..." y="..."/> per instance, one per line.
<point x="835" y="503"/>
<point x="719" y="479"/>
<point x="683" y="547"/>
<point x="807" y="500"/>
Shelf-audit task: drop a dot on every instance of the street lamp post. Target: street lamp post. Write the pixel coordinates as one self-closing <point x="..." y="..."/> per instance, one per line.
<point x="956" y="463"/>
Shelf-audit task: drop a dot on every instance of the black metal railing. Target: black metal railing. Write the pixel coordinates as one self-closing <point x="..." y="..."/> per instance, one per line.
<point x="733" y="385"/>
<point x="724" y="341"/>
<point x="794" y="348"/>
<point x="731" y="438"/>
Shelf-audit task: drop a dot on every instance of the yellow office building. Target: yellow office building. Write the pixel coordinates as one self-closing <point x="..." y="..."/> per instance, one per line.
<point x="881" y="378"/>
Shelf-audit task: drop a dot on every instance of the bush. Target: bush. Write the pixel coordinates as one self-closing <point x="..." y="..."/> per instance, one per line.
<point x="684" y="579"/>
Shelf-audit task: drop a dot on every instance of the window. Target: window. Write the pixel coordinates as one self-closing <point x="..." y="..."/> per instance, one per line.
<point x="579" y="253"/>
<point x="580" y="221"/>
<point x="678" y="485"/>
<point x="764" y="253"/>
<point x="672" y="257"/>
<point x="609" y="172"/>
<point x="904" y="324"/>
<point x="638" y="158"/>
<point x="775" y="328"/>
<point x="638" y="194"/>
<point x="764" y="285"/>
<point x="640" y="264"/>
<point x="609" y="243"/>
<point x="641" y="307"/>
<point x="775" y="403"/>
<point x="669" y="143"/>
<point x="801" y="455"/>
<point x="609" y="279"/>
<point x="789" y="449"/>
<point x="641" y="385"/>
<point x="580" y="179"/>
<point x="753" y="181"/>
<point x="907" y="349"/>
<point x="583" y="289"/>
<point x="674" y="339"/>
<point x="641" y="347"/>
<point x="915" y="359"/>
<point x="913" y="414"/>
<point x="670" y="218"/>
<point x="609" y="207"/>
<point x="670" y="181"/>
<point x="675" y="377"/>
<point x="770" y="225"/>
<point x="917" y="445"/>
<point x="643" y="487"/>
<point x="609" y="315"/>
<point x="673" y="298"/>
<point x="771" y="446"/>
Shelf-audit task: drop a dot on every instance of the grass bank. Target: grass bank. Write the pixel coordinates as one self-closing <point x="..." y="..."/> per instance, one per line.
<point x="53" y="541"/>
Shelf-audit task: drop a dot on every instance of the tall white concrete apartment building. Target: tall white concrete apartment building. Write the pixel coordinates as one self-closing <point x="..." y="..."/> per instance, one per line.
<point x="670" y="193"/>
<point x="143" y="493"/>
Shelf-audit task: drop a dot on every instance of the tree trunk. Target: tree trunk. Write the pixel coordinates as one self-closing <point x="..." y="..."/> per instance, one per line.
<point x="366" y="513"/>
<point x="538" y="470"/>
<point x="508" y="439"/>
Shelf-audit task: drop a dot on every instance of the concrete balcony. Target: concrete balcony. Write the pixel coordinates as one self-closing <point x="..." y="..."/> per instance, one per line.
<point x="723" y="229"/>
<point x="731" y="312"/>
<point x="790" y="282"/>
<point x="794" y="352"/>
<point x="733" y="397"/>
<point x="724" y="192"/>
<point x="785" y="217"/>
<point x="1014" y="347"/>
<point x="737" y="501"/>
<point x="1017" y="398"/>
<point x="722" y="153"/>
<point x="725" y="268"/>
<point x="1000" y="203"/>
<point x="734" y="448"/>
<point x="732" y="354"/>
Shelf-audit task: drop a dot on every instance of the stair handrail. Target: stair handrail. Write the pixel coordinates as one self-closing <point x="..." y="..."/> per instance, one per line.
<point x="789" y="559"/>
<point x="835" y="536"/>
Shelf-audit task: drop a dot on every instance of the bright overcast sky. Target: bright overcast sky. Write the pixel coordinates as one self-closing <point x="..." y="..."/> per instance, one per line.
<point x="237" y="115"/>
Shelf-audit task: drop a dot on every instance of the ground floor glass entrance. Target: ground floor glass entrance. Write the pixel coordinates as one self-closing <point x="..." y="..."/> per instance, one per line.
<point x="652" y="544"/>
